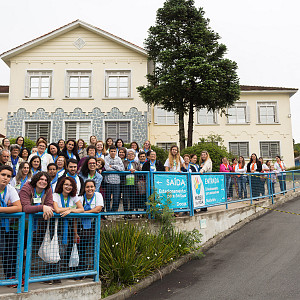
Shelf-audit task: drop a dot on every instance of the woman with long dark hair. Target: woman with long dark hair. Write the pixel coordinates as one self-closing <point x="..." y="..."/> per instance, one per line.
<point x="70" y="150"/>
<point x="20" y="141"/>
<point x="241" y="168"/>
<point x="254" y="167"/>
<point x="89" y="171"/>
<point x="35" y="164"/>
<point x="24" y="154"/>
<point x="54" y="151"/>
<point x="81" y="150"/>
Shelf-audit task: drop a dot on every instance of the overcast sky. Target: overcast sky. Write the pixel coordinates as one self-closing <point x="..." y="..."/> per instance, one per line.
<point x="261" y="36"/>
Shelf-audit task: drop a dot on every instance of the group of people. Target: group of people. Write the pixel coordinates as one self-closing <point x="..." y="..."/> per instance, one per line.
<point x="256" y="167"/>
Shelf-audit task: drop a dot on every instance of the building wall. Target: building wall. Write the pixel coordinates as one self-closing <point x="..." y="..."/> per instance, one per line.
<point x="251" y="132"/>
<point x="3" y="112"/>
<point x="59" y="55"/>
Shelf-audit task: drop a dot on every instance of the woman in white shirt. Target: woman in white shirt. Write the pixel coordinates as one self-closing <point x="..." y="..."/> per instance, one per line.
<point x="281" y="167"/>
<point x="241" y="168"/>
<point x="24" y="174"/>
<point x="174" y="161"/>
<point x="92" y="202"/>
<point x="46" y="158"/>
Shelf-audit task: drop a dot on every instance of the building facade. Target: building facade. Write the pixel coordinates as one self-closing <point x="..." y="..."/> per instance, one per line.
<point x="79" y="80"/>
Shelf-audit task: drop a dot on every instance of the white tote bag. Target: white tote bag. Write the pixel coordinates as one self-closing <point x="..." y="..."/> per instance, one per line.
<point x="74" y="258"/>
<point x="49" y="250"/>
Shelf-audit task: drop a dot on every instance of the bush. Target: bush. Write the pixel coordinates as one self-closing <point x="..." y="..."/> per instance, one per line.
<point x="130" y="252"/>
<point x="161" y="154"/>
<point x="216" y="153"/>
<point x="27" y="142"/>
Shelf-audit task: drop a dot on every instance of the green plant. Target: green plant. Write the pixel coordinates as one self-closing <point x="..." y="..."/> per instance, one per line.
<point x="27" y="142"/>
<point x="161" y="154"/>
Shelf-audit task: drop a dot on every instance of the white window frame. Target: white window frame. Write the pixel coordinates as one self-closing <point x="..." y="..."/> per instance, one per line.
<point x="166" y="148"/>
<point x="117" y="73"/>
<point x="269" y="157"/>
<point x="38" y="73"/>
<point x="80" y="73"/>
<point x="38" y="121"/>
<point x="239" y="154"/>
<point x="116" y="120"/>
<point x="214" y="114"/>
<point x="156" y="122"/>
<point x="77" y="121"/>
<point x="247" y="112"/>
<point x="261" y="103"/>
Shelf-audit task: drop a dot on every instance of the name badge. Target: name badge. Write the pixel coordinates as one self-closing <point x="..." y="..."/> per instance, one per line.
<point x="37" y="200"/>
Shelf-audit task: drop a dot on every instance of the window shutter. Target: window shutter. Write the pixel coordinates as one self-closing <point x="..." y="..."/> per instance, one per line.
<point x="70" y="130"/>
<point x="67" y="85"/>
<point x="276" y="118"/>
<point x="215" y="117"/>
<point x="111" y="130"/>
<point x="247" y="114"/>
<point x="233" y="148"/>
<point x="124" y="131"/>
<point x="50" y="86"/>
<point x="155" y="114"/>
<point x="176" y="118"/>
<point x="27" y="85"/>
<point x="90" y="86"/>
<point x="258" y="114"/>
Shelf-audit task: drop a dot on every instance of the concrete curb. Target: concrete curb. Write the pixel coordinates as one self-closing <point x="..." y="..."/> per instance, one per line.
<point x="126" y="293"/>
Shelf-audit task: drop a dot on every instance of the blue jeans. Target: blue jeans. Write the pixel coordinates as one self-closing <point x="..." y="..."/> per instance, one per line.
<point x="242" y="180"/>
<point x="114" y="190"/>
<point x="228" y="181"/>
<point x="282" y="182"/>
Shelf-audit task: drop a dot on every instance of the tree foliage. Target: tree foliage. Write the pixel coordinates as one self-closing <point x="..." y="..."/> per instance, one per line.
<point x="189" y="70"/>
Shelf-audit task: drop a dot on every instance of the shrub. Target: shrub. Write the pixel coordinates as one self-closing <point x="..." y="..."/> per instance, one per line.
<point x="27" y="142"/>
<point x="216" y="153"/>
<point x="161" y="154"/>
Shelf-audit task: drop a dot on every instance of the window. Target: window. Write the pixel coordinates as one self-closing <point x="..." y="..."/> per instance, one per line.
<point x="118" y="130"/>
<point x="33" y="130"/>
<point x="38" y="84"/>
<point x="239" y="149"/>
<point x="267" y="112"/>
<point x="165" y="146"/>
<point x="78" y="130"/>
<point x="205" y="117"/>
<point x="163" y="117"/>
<point x="79" y="84"/>
<point x="117" y="84"/>
<point x="238" y="113"/>
<point x="269" y="149"/>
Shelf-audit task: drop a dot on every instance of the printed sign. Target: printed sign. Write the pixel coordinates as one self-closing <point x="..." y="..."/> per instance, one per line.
<point x="176" y="185"/>
<point x="208" y="190"/>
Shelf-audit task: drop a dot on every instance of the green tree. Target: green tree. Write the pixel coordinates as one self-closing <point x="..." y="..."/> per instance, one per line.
<point x="189" y="68"/>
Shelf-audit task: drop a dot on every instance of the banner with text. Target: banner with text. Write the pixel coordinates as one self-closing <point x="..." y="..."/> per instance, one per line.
<point x="175" y="185"/>
<point x="208" y="190"/>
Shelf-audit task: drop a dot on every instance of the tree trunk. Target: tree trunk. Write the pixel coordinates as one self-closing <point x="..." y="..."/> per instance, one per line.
<point x="190" y="125"/>
<point x="181" y="130"/>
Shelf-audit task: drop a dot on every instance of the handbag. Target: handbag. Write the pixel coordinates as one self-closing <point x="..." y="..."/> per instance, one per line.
<point x="49" y="250"/>
<point x="74" y="258"/>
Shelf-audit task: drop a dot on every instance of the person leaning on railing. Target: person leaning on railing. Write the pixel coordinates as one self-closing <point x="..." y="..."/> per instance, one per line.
<point x="280" y="167"/>
<point x="241" y="179"/>
<point x="36" y="195"/>
<point x="92" y="202"/>
<point x="10" y="203"/>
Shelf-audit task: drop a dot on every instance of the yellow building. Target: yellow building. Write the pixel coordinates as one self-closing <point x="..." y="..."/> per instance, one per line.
<point x="79" y="80"/>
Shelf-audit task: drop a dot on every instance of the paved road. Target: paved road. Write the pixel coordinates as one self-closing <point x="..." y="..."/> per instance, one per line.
<point x="260" y="261"/>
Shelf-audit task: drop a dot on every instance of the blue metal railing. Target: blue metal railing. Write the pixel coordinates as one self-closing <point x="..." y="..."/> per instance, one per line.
<point x="37" y="270"/>
<point x="12" y="249"/>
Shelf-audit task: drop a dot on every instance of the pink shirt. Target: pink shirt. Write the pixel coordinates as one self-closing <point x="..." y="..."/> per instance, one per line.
<point x="224" y="168"/>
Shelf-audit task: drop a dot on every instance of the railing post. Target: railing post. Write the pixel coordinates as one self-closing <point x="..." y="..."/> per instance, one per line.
<point x="28" y="253"/>
<point x="97" y="248"/>
<point x="250" y="188"/>
<point x="294" y="181"/>
<point x="190" y="192"/>
<point x="226" y="196"/>
<point x="21" y="251"/>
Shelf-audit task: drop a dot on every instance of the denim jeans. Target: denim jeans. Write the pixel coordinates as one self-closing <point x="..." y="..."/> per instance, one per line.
<point x="114" y="190"/>
<point x="242" y="180"/>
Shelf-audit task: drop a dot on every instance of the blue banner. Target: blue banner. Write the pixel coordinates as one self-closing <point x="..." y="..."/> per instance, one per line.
<point x="208" y="190"/>
<point x="176" y="186"/>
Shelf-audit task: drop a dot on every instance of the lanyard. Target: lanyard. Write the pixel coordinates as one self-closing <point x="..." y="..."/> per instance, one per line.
<point x="130" y="164"/>
<point x="99" y="155"/>
<point x="152" y="166"/>
<point x="70" y="155"/>
<point x="65" y="221"/>
<point x="23" y="181"/>
<point x="41" y="156"/>
<point x="86" y="222"/>
<point x="34" y="172"/>
<point x="4" y="222"/>
<point x="54" y="157"/>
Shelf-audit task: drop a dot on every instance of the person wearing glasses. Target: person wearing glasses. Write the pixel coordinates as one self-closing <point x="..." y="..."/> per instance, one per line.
<point x="89" y="171"/>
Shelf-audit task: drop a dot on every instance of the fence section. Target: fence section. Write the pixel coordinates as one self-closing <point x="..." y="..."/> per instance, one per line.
<point x="62" y="247"/>
<point x="125" y="193"/>
<point x="12" y="228"/>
